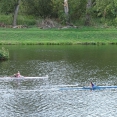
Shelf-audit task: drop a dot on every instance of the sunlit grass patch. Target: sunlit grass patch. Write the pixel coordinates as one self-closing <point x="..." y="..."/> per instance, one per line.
<point x="36" y="36"/>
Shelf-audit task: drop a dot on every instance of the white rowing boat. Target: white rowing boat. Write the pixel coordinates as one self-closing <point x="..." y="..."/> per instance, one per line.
<point x="22" y="77"/>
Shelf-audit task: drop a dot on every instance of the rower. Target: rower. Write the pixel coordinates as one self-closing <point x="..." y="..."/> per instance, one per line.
<point x="92" y="85"/>
<point x="17" y="74"/>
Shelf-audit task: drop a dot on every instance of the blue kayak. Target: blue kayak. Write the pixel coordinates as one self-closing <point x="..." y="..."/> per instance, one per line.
<point x="88" y="88"/>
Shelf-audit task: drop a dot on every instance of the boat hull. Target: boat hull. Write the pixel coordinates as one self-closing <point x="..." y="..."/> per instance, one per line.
<point x="44" y="77"/>
<point x="88" y="88"/>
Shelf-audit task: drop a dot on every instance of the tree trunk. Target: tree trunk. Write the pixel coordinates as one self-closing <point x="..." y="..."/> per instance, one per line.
<point x="88" y="13"/>
<point x="66" y="10"/>
<point x="16" y="13"/>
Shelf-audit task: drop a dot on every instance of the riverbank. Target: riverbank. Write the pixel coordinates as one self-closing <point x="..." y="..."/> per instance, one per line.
<point x="36" y="36"/>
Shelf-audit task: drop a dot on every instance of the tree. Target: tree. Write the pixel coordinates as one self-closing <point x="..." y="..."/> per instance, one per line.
<point x="106" y="8"/>
<point x="66" y="10"/>
<point x="38" y="8"/>
<point x="88" y="13"/>
<point x="106" y="11"/>
<point x="10" y="7"/>
<point x="6" y="6"/>
<point x="16" y="12"/>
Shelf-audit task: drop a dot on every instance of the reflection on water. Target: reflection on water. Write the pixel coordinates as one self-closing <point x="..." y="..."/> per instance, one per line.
<point x="66" y="66"/>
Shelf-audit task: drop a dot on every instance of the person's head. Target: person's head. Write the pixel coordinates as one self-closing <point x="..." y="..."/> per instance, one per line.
<point x="91" y="83"/>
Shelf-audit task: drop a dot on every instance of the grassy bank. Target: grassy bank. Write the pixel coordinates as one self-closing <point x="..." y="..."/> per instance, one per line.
<point x="32" y="36"/>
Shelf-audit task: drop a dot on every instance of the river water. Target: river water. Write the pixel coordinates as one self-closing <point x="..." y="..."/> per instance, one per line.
<point x="66" y="66"/>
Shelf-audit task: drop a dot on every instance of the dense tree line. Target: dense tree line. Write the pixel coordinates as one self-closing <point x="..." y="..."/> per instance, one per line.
<point x="86" y="11"/>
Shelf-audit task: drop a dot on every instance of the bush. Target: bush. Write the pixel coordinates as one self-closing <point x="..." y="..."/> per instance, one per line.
<point x="21" y="20"/>
<point x="4" y="54"/>
<point x="6" y="19"/>
<point x="26" y="20"/>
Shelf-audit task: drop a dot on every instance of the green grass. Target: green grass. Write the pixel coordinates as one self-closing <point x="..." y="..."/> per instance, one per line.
<point x="36" y="36"/>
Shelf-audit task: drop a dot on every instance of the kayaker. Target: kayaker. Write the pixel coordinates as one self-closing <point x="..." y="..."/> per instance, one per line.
<point x="92" y="85"/>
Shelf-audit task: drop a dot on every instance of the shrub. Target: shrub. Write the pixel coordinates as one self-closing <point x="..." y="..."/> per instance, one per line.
<point x="4" y="54"/>
<point x="6" y="19"/>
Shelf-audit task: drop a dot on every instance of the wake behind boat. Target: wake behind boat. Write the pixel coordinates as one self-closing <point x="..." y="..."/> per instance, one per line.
<point x="23" y="77"/>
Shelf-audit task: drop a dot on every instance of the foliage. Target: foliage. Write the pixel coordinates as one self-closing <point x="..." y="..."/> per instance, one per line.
<point x="105" y="10"/>
<point x="7" y="6"/>
<point x="6" y="19"/>
<point x="77" y="9"/>
<point x="4" y="54"/>
<point x="40" y="8"/>
<point x="26" y="20"/>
